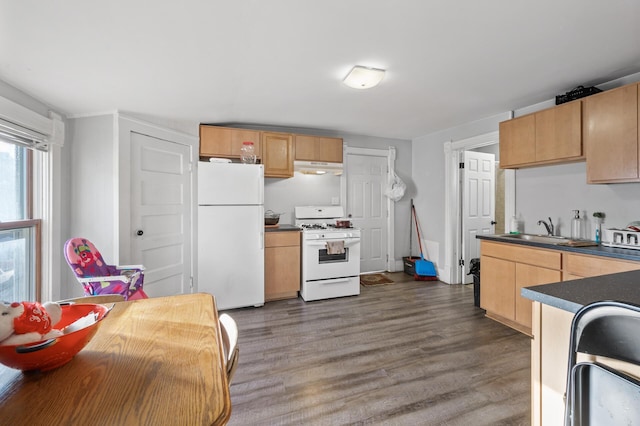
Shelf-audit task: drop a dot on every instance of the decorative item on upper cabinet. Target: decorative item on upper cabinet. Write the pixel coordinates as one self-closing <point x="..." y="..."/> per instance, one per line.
<point x="248" y="153"/>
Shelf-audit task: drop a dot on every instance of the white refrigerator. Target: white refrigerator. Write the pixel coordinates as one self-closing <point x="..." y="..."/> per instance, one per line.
<point x="231" y="233"/>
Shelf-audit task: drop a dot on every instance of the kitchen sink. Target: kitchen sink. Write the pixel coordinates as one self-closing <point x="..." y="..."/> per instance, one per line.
<point x="543" y="239"/>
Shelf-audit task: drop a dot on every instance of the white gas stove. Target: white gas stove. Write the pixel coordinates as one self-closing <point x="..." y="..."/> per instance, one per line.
<point x="330" y="253"/>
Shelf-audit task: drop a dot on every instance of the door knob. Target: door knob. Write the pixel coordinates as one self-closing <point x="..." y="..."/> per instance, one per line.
<point x="493" y="222"/>
<point x="140" y="232"/>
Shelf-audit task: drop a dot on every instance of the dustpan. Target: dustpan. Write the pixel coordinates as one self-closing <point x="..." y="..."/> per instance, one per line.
<point x="424" y="269"/>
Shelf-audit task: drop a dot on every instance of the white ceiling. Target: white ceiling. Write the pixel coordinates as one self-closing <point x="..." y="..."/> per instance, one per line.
<point x="281" y="62"/>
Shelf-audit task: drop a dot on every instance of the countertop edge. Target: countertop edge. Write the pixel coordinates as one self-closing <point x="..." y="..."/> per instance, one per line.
<point x="603" y="251"/>
<point x="282" y="228"/>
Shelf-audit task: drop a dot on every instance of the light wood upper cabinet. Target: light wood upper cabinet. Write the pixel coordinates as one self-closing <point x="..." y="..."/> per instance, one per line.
<point x="611" y="135"/>
<point x="316" y="148"/>
<point x="226" y="142"/>
<point x="277" y="154"/>
<point x="559" y="133"/>
<point x="549" y="136"/>
<point x="518" y="141"/>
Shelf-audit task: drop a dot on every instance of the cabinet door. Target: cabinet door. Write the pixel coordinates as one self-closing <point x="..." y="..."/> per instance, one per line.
<point x="497" y="292"/>
<point x="559" y="132"/>
<point x="591" y="266"/>
<point x="517" y="141"/>
<point x="277" y="154"/>
<point x="305" y="148"/>
<point x="314" y="148"/>
<point x="526" y="276"/>
<point x="241" y="135"/>
<point x="611" y="135"/>
<point x="329" y="150"/>
<point x="282" y="272"/>
<point x="215" y="141"/>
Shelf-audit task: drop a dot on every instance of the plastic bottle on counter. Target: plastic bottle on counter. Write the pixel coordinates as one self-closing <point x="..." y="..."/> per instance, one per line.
<point x="576" y="226"/>
<point x="248" y="153"/>
<point x="514" y="226"/>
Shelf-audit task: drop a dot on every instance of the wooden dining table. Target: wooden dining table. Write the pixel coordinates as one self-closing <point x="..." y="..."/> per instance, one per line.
<point x="156" y="361"/>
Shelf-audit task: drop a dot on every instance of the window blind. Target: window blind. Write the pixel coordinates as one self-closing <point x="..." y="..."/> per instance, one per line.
<point x="13" y="133"/>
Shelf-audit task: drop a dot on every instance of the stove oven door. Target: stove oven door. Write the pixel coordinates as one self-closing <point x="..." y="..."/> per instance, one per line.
<point x="320" y="265"/>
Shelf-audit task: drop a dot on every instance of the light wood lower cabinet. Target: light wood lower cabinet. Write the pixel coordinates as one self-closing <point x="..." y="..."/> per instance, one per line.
<point x="505" y="269"/>
<point x="281" y="265"/>
<point x="582" y="266"/>
<point x="497" y="291"/>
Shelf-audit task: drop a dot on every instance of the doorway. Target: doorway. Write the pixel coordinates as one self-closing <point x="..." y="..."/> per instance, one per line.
<point x="478" y="203"/>
<point x="456" y="265"/>
<point x="367" y="175"/>
<point x="161" y="213"/>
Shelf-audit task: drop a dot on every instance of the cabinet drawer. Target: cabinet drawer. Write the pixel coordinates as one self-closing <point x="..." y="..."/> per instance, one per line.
<point x="592" y="266"/>
<point x="538" y="257"/>
<point x="282" y="239"/>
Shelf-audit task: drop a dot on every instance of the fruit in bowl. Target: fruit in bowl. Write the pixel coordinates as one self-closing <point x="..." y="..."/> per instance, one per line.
<point x="78" y="324"/>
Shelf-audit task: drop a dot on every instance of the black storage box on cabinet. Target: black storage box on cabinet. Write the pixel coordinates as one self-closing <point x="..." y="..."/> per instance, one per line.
<point x="577" y="93"/>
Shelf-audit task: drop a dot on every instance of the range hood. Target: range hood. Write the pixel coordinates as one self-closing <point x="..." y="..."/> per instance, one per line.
<point x="317" y="167"/>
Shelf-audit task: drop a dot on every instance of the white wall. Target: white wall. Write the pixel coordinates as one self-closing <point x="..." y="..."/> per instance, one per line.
<point x="429" y="178"/>
<point x="282" y="195"/>
<point x="554" y="191"/>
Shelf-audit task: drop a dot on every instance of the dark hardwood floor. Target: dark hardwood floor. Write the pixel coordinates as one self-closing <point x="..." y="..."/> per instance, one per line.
<point x="409" y="353"/>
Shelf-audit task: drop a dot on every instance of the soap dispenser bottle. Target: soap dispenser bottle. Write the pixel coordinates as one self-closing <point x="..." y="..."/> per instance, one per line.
<point x="576" y="226"/>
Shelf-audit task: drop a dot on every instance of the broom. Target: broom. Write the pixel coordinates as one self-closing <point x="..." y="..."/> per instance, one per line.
<point x="424" y="269"/>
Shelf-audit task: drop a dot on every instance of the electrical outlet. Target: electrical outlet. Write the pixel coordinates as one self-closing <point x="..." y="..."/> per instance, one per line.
<point x="335" y="201"/>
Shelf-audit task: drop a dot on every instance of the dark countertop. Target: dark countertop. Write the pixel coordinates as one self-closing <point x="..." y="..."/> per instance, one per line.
<point x="282" y="228"/>
<point x="616" y="253"/>
<point x="572" y="295"/>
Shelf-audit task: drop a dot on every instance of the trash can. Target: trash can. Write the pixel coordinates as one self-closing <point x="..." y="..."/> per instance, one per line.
<point x="474" y="269"/>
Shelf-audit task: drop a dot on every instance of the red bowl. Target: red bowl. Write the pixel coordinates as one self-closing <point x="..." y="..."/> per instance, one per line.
<point x="53" y="353"/>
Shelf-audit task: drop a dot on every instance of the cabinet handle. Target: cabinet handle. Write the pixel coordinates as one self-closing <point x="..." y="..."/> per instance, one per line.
<point x="140" y="232"/>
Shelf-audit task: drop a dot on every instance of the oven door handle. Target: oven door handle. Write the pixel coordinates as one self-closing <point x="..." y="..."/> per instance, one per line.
<point x="324" y="243"/>
<point x="334" y="281"/>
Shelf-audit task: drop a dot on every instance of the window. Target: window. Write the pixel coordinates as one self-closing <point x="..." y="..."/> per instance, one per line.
<point x="19" y="231"/>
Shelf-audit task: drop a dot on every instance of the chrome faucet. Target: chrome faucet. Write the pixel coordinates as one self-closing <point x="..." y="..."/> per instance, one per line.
<point x="549" y="226"/>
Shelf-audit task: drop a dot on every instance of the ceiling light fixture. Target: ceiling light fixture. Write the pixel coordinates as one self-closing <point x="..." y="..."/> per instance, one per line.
<point x="363" y="77"/>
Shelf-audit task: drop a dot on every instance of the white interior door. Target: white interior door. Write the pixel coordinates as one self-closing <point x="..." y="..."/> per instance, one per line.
<point x="161" y="213"/>
<point x="478" y="204"/>
<point x="367" y="177"/>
